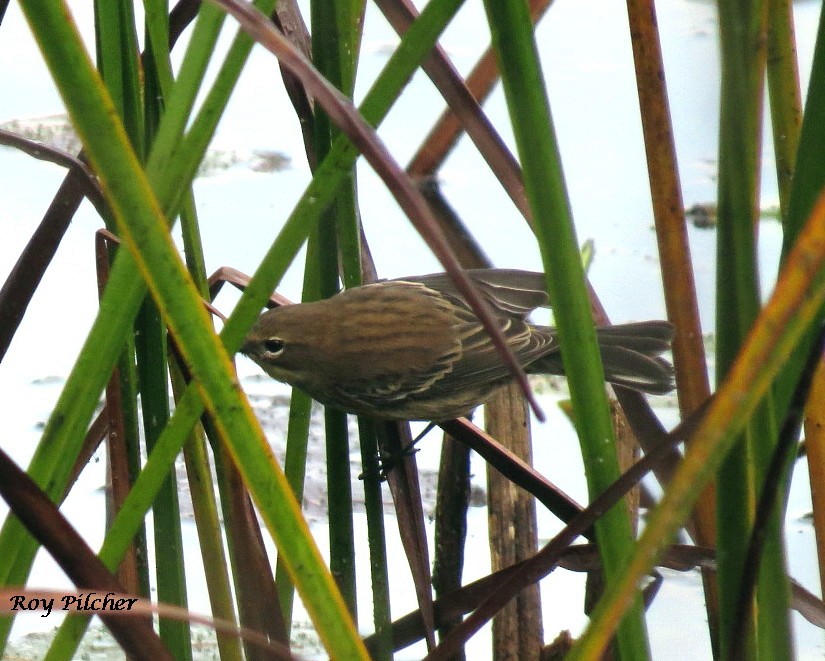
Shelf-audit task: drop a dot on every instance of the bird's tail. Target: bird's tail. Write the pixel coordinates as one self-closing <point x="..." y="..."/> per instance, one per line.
<point x="631" y="356"/>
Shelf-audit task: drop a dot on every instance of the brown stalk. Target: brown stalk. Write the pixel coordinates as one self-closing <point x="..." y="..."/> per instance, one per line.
<point x="689" y="359"/>
<point x="117" y="455"/>
<point x="44" y="152"/>
<point x="395" y="441"/>
<point x="451" y="124"/>
<point x="25" y="276"/>
<point x="400" y="14"/>
<point x="815" y="446"/>
<point x="258" y="606"/>
<point x="518" y="629"/>
<point x="515" y="469"/>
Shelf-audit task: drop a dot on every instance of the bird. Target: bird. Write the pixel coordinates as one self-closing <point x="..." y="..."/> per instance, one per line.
<point x="413" y="349"/>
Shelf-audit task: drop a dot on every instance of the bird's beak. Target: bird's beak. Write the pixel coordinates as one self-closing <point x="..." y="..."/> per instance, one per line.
<point x="247" y="348"/>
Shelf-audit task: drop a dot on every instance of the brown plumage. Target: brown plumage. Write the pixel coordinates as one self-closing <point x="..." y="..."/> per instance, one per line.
<point x="412" y="349"/>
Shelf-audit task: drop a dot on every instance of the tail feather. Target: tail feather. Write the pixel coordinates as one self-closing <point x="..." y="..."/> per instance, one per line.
<point x="632" y="369"/>
<point x="630" y="356"/>
<point x="648" y="337"/>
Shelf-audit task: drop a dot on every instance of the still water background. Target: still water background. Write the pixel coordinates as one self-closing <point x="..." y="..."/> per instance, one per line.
<point x="589" y="71"/>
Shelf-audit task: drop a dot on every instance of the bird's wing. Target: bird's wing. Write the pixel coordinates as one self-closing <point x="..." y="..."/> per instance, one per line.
<point x="508" y="291"/>
<point x="512" y="295"/>
<point x="480" y="361"/>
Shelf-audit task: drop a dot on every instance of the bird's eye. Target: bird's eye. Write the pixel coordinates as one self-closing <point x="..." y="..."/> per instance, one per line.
<point x="273" y="345"/>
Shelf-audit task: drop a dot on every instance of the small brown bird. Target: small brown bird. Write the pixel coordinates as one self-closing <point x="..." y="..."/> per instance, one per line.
<point x="413" y="349"/>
